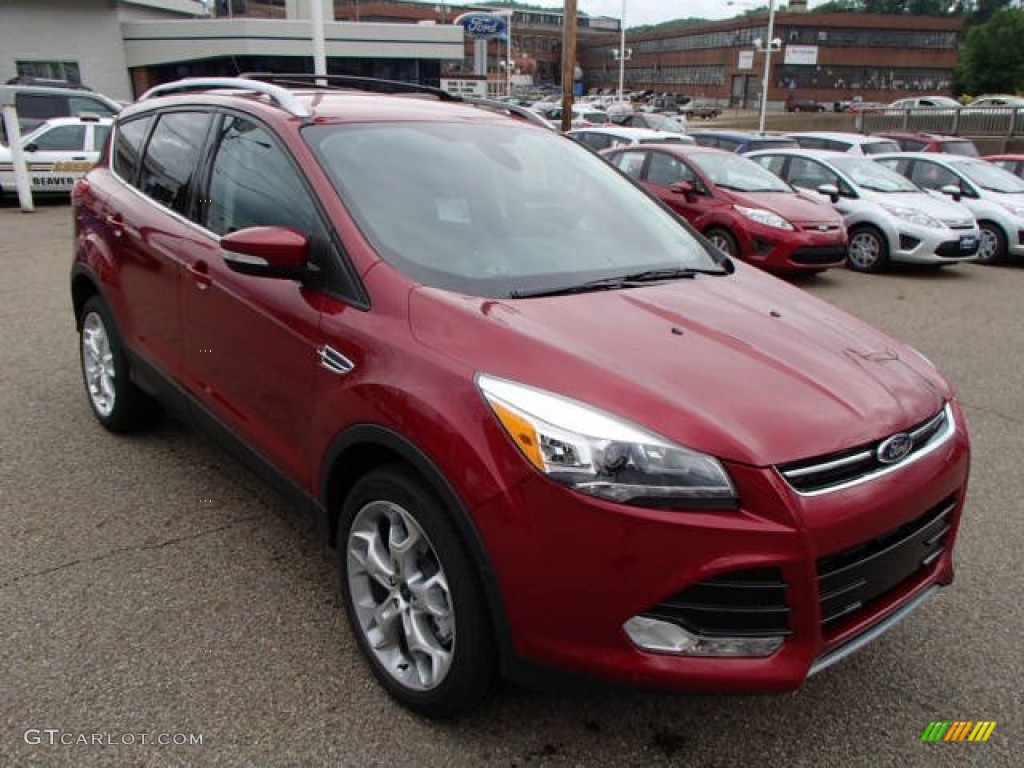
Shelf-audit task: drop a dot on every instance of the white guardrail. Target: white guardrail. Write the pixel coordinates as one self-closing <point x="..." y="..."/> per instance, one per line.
<point x="964" y="121"/>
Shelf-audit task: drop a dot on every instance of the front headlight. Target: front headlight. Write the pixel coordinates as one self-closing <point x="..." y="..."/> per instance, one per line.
<point x="598" y="454"/>
<point x="914" y="216"/>
<point x="761" y="216"/>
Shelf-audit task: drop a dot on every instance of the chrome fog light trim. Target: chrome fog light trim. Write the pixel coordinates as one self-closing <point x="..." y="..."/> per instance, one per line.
<point x="665" y="637"/>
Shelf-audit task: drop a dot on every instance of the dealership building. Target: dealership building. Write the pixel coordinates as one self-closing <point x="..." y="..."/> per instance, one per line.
<point x="122" y="47"/>
<point x="825" y="56"/>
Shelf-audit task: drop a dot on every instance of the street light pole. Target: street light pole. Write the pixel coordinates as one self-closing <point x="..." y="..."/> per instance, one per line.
<point x="767" y="63"/>
<point x="622" y="51"/>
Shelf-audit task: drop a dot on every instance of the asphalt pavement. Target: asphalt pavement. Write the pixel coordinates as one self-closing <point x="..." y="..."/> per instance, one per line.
<point x="152" y="590"/>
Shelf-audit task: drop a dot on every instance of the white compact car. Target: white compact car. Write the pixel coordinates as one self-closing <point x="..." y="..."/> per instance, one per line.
<point x="58" y="153"/>
<point x="838" y="141"/>
<point x="601" y="137"/>
<point x="994" y="195"/>
<point x="888" y="217"/>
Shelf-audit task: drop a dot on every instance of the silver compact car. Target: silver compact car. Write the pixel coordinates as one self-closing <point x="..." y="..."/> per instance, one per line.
<point x="888" y="217"/>
<point x="994" y="195"/>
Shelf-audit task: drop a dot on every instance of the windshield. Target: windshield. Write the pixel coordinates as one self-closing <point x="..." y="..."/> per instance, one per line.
<point x="737" y="172"/>
<point x="965" y="148"/>
<point x="991" y="177"/>
<point x="497" y="210"/>
<point x="874" y="176"/>
<point x="879" y="147"/>
<point x="662" y="123"/>
<point x="772" y="143"/>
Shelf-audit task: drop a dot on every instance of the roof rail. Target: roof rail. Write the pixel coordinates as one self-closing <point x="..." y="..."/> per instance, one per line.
<point x="372" y="84"/>
<point x="280" y="96"/>
<point x="513" y="110"/>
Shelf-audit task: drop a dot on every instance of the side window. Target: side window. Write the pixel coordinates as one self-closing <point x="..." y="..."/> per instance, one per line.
<point x="773" y="163"/>
<point x="172" y="156"/>
<point x="932" y="176"/>
<point x="99" y="137"/>
<point x="253" y="183"/>
<point x="127" y="149"/>
<point x="896" y="164"/>
<point x="62" y="138"/>
<point x="79" y="104"/>
<point x="836" y="146"/>
<point x="706" y="141"/>
<point x="729" y="145"/>
<point x="665" y="170"/>
<point x="808" y="174"/>
<point x="630" y="163"/>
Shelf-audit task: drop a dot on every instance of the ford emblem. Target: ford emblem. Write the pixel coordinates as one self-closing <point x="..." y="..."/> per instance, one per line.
<point x="482" y="26"/>
<point x="894" y="449"/>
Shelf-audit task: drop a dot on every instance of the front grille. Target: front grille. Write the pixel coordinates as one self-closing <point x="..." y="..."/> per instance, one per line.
<point x="960" y="224"/>
<point x="750" y="603"/>
<point x="819" y="227"/>
<point x="819" y="254"/>
<point x="951" y="250"/>
<point x="852" y="580"/>
<point x="824" y="473"/>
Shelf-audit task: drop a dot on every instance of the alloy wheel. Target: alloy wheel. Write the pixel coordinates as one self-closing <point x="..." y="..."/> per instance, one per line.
<point x="865" y="250"/>
<point x="98" y="364"/>
<point x="400" y="594"/>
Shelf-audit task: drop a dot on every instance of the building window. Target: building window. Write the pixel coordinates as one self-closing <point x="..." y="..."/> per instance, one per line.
<point x="51" y="70"/>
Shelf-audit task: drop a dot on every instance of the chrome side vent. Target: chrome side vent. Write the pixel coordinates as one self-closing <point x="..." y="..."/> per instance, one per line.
<point x="334" y="361"/>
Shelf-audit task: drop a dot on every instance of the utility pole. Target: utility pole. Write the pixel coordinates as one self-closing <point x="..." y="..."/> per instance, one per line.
<point x="568" y="61"/>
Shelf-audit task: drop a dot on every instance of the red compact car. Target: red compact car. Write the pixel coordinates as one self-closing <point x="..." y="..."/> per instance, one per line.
<point x="745" y="210"/>
<point x="542" y="421"/>
<point x="911" y="141"/>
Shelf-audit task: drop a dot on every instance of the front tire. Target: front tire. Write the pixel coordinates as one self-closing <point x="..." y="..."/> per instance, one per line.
<point x="993" y="243"/>
<point x="118" y="404"/>
<point x="868" y="250"/>
<point x="413" y="597"/>
<point x="724" y="241"/>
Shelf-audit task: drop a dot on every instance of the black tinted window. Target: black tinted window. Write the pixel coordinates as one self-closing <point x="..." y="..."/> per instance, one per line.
<point x="79" y="104"/>
<point x="99" y="136"/>
<point x="253" y="184"/>
<point x="171" y="158"/>
<point x="41" y="106"/>
<point x="128" y="148"/>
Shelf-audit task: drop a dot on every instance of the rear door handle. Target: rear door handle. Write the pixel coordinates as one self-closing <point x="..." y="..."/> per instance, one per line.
<point x="116" y="223"/>
<point x="200" y="272"/>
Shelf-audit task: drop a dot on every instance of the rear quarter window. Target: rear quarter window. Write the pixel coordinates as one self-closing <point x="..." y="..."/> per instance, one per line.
<point x="127" y="149"/>
<point x="41" y="106"/>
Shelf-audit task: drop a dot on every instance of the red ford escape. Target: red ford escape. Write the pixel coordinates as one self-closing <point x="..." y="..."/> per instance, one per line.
<point x="545" y="424"/>
<point x="746" y="211"/>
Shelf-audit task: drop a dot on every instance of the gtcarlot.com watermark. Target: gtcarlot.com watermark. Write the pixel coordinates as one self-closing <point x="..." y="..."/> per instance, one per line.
<point x="54" y="737"/>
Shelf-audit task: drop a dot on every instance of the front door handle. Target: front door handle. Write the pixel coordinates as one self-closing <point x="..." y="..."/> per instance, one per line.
<point x="200" y="272"/>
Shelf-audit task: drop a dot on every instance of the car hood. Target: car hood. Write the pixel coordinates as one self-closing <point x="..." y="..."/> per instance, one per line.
<point x="744" y="367"/>
<point x="790" y="206"/>
<point x="939" y="206"/>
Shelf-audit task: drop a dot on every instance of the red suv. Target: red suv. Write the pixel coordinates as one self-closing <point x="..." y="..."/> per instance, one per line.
<point x="745" y="210"/>
<point x="541" y="420"/>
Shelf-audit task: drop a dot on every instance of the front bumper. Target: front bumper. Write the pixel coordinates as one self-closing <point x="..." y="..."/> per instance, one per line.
<point x="915" y="244"/>
<point x="802" y="249"/>
<point x="592" y="566"/>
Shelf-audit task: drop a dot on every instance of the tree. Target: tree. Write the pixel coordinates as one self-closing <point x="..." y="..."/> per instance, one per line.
<point x="991" y="58"/>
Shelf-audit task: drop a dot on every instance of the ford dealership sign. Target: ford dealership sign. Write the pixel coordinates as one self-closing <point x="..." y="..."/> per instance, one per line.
<point x="483" y="26"/>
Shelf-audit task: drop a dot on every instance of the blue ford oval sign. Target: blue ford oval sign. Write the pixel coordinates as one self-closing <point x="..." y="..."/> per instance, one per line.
<point x="482" y="26"/>
<point x="895" y="448"/>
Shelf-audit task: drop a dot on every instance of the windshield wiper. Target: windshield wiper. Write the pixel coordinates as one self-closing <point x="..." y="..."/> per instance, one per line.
<point x="629" y="280"/>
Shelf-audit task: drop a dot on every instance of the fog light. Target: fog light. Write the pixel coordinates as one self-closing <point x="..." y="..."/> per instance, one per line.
<point x="666" y="637"/>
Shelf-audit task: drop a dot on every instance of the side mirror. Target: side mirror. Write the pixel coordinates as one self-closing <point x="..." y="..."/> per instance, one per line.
<point x="953" y="191"/>
<point x="831" y="191"/>
<point x="267" y="252"/>
<point x="31" y="147"/>
<point x="683" y="188"/>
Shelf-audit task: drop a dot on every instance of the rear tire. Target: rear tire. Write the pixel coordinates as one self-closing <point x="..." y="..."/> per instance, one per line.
<point x="413" y="596"/>
<point x="868" y="250"/>
<point x="118" y="404"/>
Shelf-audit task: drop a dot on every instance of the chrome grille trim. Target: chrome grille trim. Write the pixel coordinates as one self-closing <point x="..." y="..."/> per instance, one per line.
<point x="942" y="426"/>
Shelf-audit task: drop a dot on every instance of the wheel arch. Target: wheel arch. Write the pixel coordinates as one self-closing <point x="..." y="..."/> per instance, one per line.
<point x="84" y="286"/>
<point x="361" y="448"/>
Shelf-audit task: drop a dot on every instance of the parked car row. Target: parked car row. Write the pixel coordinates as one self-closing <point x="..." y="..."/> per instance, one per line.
<point x="770" y="205"/>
